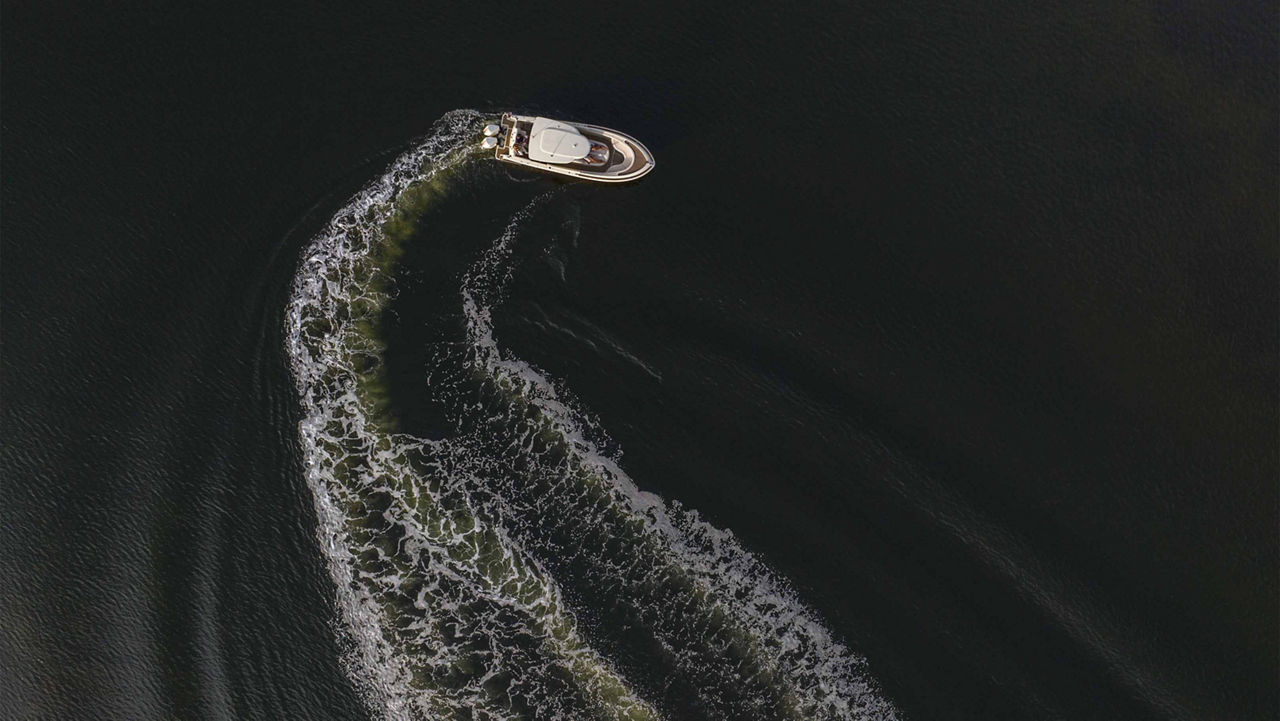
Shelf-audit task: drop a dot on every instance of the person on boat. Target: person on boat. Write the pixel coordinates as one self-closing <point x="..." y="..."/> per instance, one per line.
<point x="598" y="154"/>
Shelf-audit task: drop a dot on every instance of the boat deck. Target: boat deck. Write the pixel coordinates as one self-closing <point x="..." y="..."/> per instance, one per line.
<point x="627" y="158"/>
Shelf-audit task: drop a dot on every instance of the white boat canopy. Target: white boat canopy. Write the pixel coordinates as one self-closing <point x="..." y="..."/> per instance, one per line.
<point x="551" y="141"/>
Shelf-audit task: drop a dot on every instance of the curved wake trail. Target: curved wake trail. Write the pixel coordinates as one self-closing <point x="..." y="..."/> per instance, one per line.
<point x="459" y="563"/>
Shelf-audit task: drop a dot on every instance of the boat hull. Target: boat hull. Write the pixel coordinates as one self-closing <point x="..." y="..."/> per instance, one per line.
<point x="628" y="159"/>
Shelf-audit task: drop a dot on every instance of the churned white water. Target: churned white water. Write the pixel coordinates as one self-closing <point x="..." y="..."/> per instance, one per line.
<point x="480" y="576"/>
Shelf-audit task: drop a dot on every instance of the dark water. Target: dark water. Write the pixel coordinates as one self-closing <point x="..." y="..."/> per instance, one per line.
<point x="963" y="320"/>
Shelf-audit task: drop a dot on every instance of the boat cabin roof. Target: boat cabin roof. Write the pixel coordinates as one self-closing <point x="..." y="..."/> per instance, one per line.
<point x="551" y="141"/>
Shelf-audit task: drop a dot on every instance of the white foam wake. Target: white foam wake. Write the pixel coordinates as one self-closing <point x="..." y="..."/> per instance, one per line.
<point x="446" y="554"/>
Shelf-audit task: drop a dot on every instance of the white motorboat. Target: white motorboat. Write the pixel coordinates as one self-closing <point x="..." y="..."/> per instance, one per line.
<point x="578" y="150"/>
